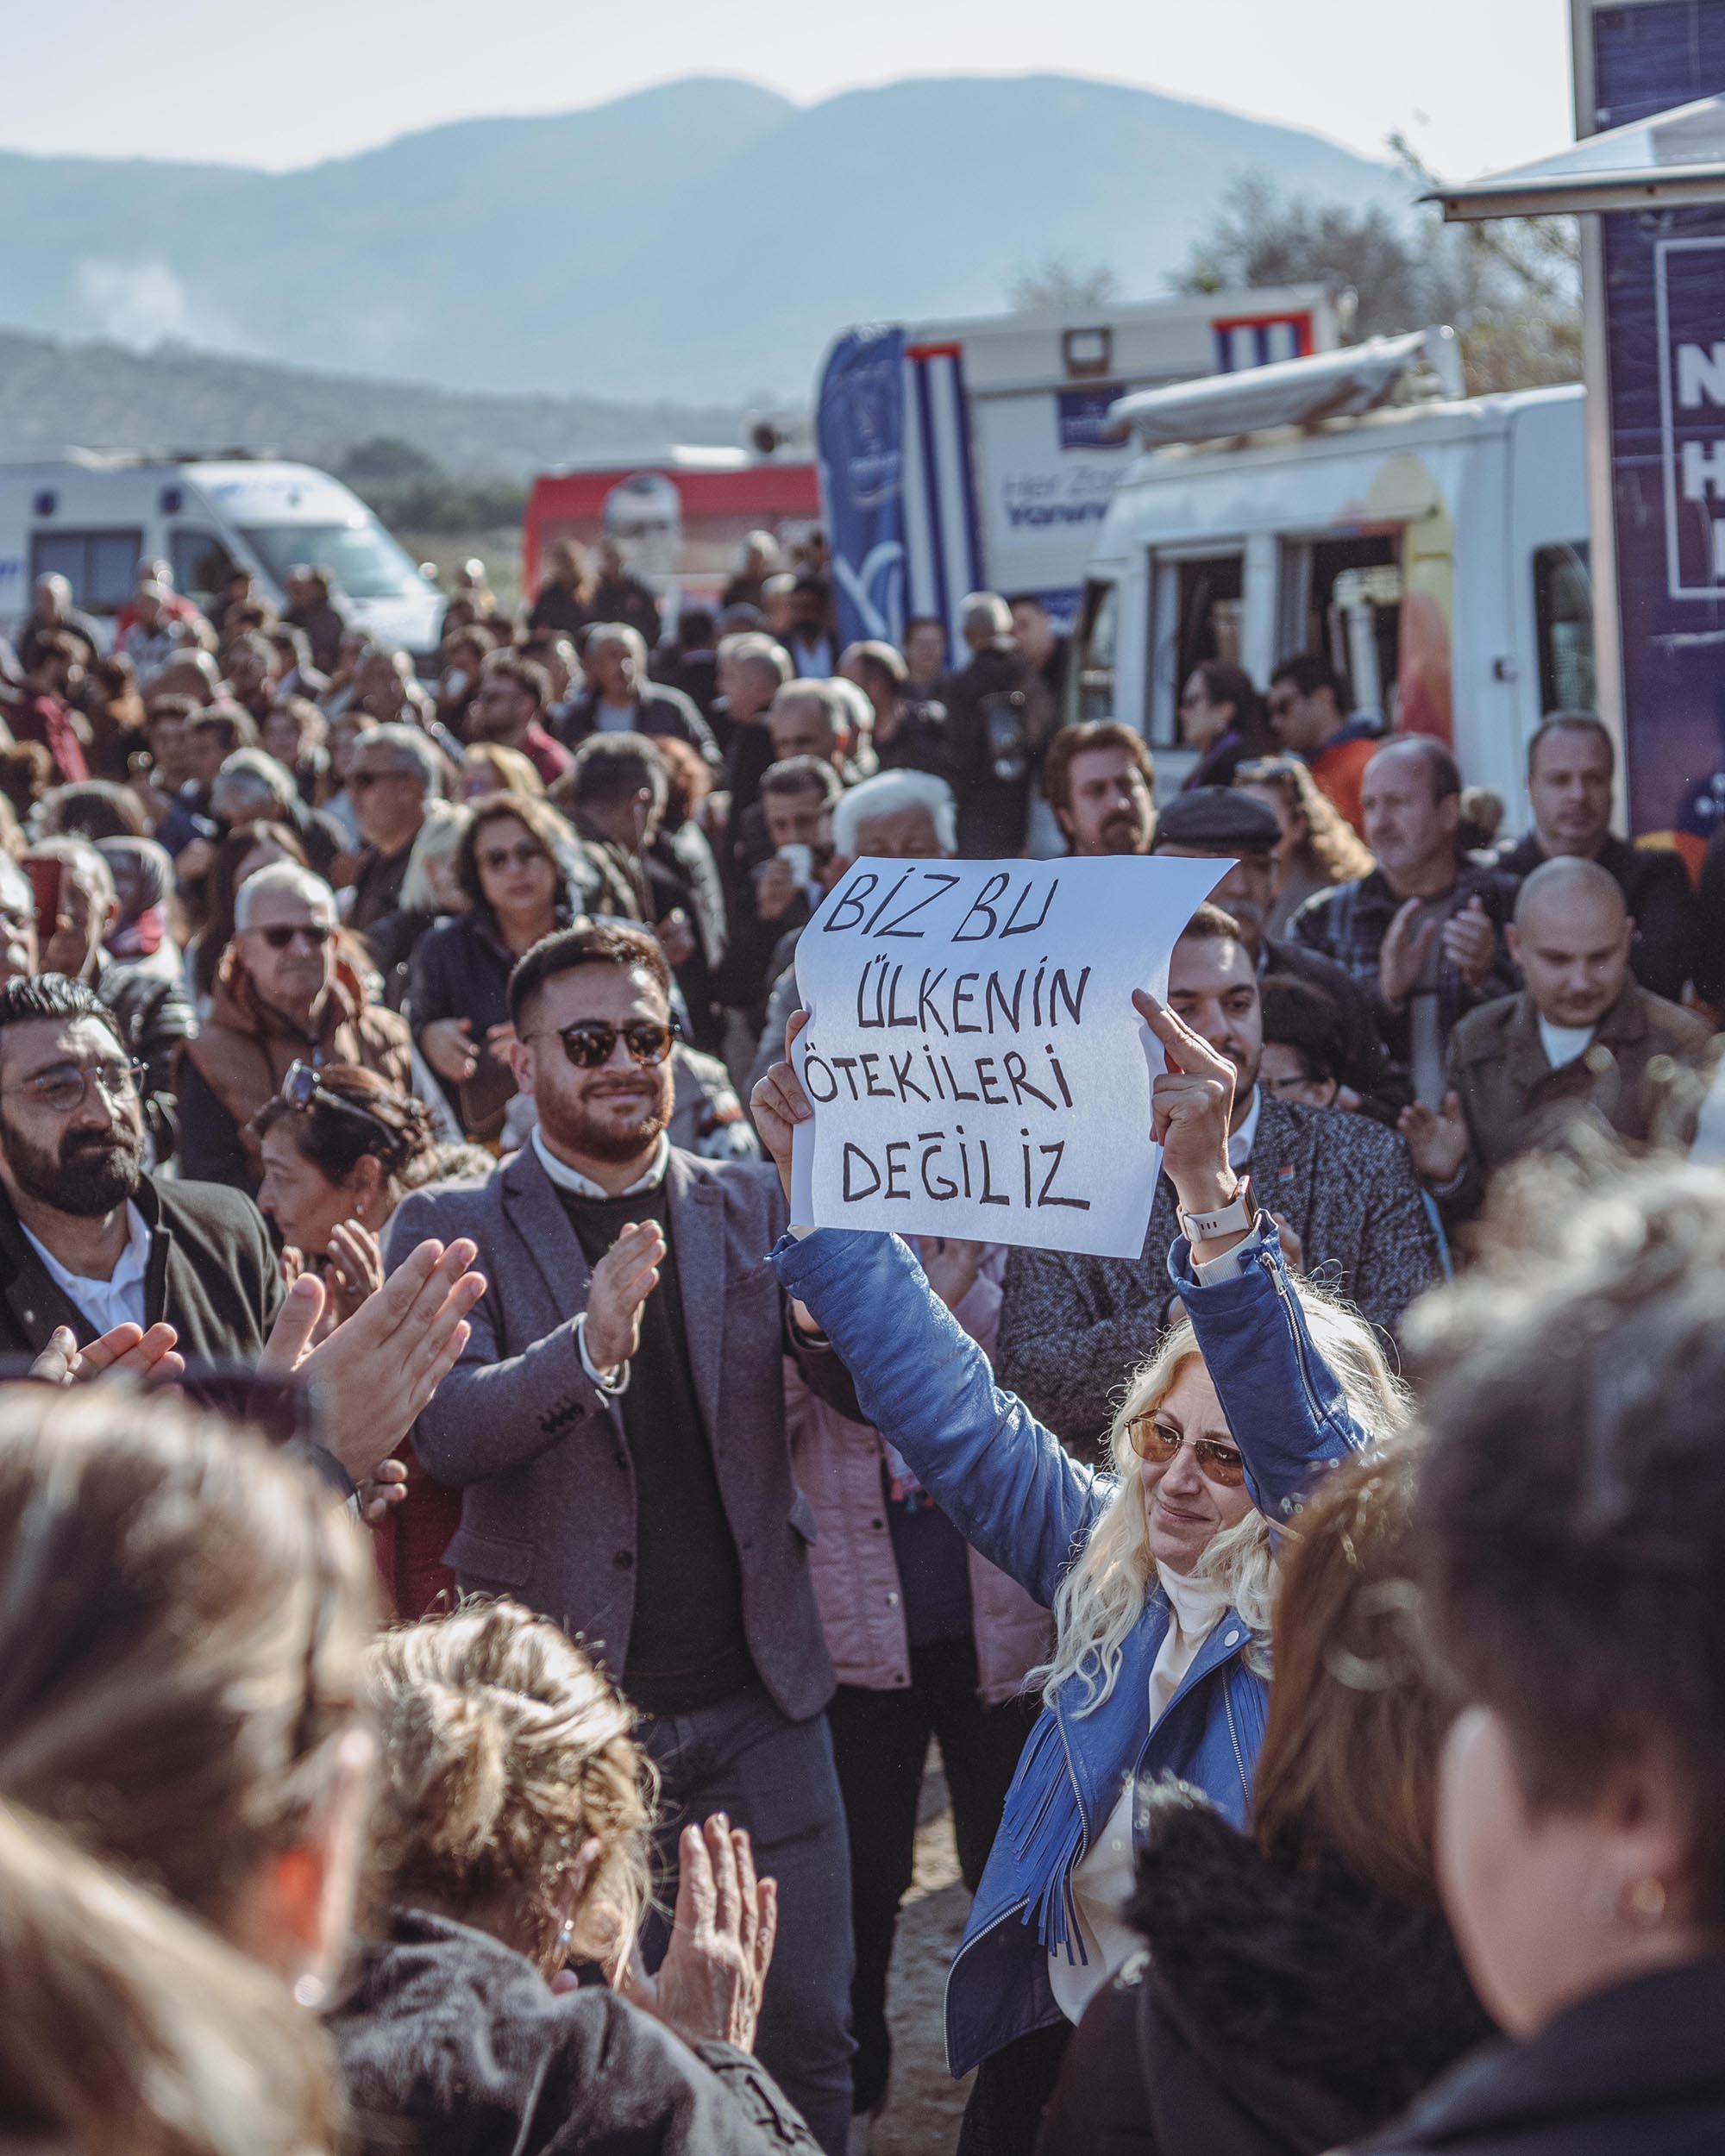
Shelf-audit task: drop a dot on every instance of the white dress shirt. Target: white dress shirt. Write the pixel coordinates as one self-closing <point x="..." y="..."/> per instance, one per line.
<point x="564" y="1177"/>
<point x="106" y="1303"/>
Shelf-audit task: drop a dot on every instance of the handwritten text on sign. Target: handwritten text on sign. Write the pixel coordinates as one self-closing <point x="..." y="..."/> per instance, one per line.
<point x="975" y="1063"/>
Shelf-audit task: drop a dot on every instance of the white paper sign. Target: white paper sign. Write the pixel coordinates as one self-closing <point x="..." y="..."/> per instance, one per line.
<point x="976" y="1067"/>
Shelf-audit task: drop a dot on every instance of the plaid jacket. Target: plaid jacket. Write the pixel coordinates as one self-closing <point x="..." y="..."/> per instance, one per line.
<point x="1072" y="1330"/>
<point x="1348" y="923"/>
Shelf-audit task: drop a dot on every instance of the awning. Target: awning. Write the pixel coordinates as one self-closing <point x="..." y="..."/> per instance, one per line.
<point x="1294" y="392"/>
<point x="1673" y="158"/>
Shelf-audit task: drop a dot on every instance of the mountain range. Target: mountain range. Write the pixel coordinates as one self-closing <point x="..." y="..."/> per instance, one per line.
<point x="701" y="241"/>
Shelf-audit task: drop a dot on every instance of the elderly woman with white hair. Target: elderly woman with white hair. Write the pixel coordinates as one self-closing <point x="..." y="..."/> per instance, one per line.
<point x="286" y="993"/>
<point x="1160" y="1574"/>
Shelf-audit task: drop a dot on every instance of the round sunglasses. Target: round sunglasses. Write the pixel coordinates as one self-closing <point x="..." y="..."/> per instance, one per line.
<point x="590" y="1042"/>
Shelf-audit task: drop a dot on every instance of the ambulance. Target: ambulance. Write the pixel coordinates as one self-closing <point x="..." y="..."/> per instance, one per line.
<point x="93" y="515"/>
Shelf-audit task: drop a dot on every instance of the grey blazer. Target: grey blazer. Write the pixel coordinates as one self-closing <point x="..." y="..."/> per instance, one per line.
<point x="547" y="1482"/>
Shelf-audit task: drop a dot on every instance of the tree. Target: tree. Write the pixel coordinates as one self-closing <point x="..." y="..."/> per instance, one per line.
<point x="388" y="460"/>
<point x="1509" y="289"/>
<point x="1057" y="284"/>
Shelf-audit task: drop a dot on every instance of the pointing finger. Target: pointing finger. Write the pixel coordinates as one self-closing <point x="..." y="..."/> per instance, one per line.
<point x="1187" y="1053"/>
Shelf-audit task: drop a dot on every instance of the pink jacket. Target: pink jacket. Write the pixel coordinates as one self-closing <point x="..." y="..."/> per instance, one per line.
<point x="856" y="1590"/>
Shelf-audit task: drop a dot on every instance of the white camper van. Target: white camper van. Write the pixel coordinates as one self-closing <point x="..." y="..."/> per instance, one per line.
<point x="93" y="517"/>
<point x="1433" y="546"/>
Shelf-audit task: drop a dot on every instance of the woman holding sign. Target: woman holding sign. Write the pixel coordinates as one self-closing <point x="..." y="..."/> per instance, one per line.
<point x="1161" y="1575"/>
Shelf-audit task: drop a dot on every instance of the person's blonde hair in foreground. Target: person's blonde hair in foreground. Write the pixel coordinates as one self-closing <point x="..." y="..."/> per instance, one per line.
<point x="182" y="1779"/>
<point x="514" y="1829"/>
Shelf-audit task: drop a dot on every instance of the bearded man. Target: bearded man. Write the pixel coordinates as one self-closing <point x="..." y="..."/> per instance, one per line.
<point x="616" y="1426"/>
<point x="87" y="1239"/>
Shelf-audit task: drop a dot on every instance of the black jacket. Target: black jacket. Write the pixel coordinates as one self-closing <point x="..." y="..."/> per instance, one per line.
<point x="453" y="2045"/>
<point x="998" y="717"/>
<point x="1276" y="2013"/>
<point x="154" y="1015"/>
<point x="212" y="1276"/>
<point x="661" y="709"/>
<point x="1656" y="889"/>
<point x="1637" y="2070"/>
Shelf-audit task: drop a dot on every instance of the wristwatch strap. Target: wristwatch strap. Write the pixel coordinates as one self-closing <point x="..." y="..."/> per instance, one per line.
<point x="1232" y="1218"/>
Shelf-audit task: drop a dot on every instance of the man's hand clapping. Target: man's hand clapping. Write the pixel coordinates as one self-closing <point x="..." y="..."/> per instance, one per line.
<point x="1436" y="1139"/>
<point x="622" y="1280"/>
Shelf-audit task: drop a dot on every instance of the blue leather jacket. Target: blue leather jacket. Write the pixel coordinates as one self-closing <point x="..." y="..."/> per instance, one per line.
<point x="1015" y="1493"/>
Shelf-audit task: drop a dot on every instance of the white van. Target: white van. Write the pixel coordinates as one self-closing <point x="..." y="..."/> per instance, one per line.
<point x="1436" y="551"/>
<point x="93" y="517"/>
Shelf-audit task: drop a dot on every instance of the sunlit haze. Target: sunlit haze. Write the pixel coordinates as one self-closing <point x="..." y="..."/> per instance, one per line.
<point x="1475" y="85"/>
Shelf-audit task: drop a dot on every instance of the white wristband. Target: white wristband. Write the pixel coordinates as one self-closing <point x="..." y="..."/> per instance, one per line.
<point x="1232" y="1218"/>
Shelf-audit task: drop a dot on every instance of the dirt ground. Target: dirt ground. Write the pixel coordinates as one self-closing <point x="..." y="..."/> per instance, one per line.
<point x="925" y="2103"/>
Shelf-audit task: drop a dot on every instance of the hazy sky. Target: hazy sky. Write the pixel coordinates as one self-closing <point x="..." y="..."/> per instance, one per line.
<point x="1476" y="83"/>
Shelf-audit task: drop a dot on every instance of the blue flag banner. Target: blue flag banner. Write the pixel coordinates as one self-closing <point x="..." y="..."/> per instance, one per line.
<point x="859" y="440"/>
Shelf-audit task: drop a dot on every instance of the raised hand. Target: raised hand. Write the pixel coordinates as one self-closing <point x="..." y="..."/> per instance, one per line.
<point x="1470" y="943"/>
<point x="1191" y="1107"/>
<point x="1437" y="1140"/>
<point x="1402" y="956"/>
<point x="622" y="1280"/>
<point x="376" y="1372"/>
<point x="778" y="1104"/>
<point x="709" y="1985"/>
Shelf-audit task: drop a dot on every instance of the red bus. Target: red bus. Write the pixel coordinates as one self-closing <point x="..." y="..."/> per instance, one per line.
<point x="681" y="518"/>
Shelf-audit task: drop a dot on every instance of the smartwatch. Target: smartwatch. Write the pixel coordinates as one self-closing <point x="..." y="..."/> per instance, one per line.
<point x="1234" y="1219"/>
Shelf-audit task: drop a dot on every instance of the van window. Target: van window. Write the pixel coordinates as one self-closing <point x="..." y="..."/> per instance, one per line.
<point x="102" y="567"/>
<point x="1563" y="627"/>
<point x="1091" y="682"/>
<point x="202" y="565"/>
<point x="1195" y="608"/>
<point x="1342" y="597"/>
<point x="363" y="560"/>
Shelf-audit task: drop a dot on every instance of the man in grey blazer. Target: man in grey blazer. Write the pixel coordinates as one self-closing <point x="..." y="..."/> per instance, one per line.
<point x="616" y="1429"/>
<point x="1074" y="1329"/>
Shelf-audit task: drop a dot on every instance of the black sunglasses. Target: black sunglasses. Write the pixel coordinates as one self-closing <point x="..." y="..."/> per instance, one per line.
<point x="590" y="1042"/>
<point x="281" y="937"/>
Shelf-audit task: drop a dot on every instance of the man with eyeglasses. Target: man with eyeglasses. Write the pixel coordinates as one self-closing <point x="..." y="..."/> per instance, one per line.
<point x="87" y="1239"/>
<point x="284" y="994"/>
<point x="616" y="1428"/>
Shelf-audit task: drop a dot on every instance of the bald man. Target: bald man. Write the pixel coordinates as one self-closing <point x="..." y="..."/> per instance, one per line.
<point x="1583" y="1040"/>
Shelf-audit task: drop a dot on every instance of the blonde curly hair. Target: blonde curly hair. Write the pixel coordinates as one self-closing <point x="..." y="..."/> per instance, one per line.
<point x="506" y="1755"/>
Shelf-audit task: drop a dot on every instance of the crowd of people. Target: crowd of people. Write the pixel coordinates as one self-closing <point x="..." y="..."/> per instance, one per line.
<point x="1316" y="1614"/>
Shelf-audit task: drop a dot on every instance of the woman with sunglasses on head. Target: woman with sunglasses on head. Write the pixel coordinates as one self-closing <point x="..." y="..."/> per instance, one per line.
<point x="1160" y="1574"/>
<point x="339" y="1149"/>
<point x="513" y="865"/>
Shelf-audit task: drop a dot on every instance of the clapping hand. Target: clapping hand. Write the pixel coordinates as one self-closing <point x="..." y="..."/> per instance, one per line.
<point x="1470" y="943"/>
<point x="126" y="1351"/>
<point x="708" y="1987"/>
<point x="377" y="1371"/>
<point x="1403" y="954"/>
